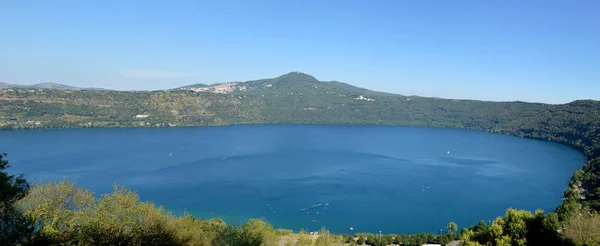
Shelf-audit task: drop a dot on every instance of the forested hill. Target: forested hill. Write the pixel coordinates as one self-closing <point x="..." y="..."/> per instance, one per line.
<point x="301" y="98"/>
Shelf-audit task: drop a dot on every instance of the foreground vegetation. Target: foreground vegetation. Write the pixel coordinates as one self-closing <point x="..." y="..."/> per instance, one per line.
<point x="299" y="98"/>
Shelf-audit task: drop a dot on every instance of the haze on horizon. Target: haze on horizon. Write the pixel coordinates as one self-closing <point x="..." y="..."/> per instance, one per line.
<point x="538" y="51"/>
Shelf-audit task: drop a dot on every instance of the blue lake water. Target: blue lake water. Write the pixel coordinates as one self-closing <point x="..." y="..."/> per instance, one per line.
<point x="371" y="178"/>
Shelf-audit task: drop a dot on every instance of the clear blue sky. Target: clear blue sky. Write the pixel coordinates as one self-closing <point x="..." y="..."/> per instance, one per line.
<point x="543" y="51"/>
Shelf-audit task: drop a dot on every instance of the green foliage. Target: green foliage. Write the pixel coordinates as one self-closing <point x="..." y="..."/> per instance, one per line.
<point x="452" y="227"/>
<point x="213" y="232"/>
<point x="389" y="238"/>
<point x="326" y="239"/>
<point x="430" y="238"/>
<point x="349" y="239"/>
<point x="443" y="239"/>
<point x="370" y="239"/>
<point x="352" y="243"/>
<point x="304" y="239"/>
<point x="380" y="241"/>
<point x="415" y="239"/>
<point x="517" y="227"/>
<point x="361" y="240"/>
<point x="59" y="213"/>
<point x="420" y="238"/>
<point x="543" y="229"/>
<point x="67" y="215"/>
<point x="12" y="187"/>
<point x="258" y="232"/>
<point x="584" y="229"/>
<point x="567" y="209"/>
<point x="15" y="228"/>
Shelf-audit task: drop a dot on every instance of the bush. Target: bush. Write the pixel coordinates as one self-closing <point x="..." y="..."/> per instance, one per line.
<point x="361" y="240"/>
<point x="65" y="214"/>
<point x="258" y="232"/>
<point x="304" y="239"/>
<point x="584" y="229"/>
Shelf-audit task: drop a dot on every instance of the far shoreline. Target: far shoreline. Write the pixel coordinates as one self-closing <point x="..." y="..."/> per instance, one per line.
<point x="292" y="124"/>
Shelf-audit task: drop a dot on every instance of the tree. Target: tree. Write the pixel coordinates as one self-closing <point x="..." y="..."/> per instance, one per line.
<point x="421" y="238"/>
<point x="516" y="225"/>
<point x="389" y="238"/>
<point x="481" y="226"/>
<point x="258" y="232"/>
<point x="199" y="232"/>
<point x="56" y="208"/>
<point x="15" y="228"/>
<point x="12" y="187"/>
<point x="349" y="239"/>
<point x="67" y="215"/>
<point x="352" y="242"/>
<point x="569" y="208"/>
<point x="452" y="227"/>
<point x="542" y="229"/>
<point x="380" y="241"/>
<point x="370" y="239"/>
<point x="430" y="238"/>
<point x="467" y="236"/>
<point x="401" y="239"/>
<point x="361" y="240"/>
<point x="443" y="239"/>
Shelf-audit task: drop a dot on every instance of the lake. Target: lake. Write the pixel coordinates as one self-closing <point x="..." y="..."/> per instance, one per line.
<point x="393" y="179"/>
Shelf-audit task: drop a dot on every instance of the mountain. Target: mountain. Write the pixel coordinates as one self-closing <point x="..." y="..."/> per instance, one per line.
<point x="293" y="82"/>
<point x="49" y="86"/>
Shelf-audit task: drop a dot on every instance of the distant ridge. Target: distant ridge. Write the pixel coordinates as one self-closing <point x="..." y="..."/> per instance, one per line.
<point x="198" y="85"/>
<point x="48" y="86"/>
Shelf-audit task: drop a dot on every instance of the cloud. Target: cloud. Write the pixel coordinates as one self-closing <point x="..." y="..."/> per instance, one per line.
<point x="153" y="74"/>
